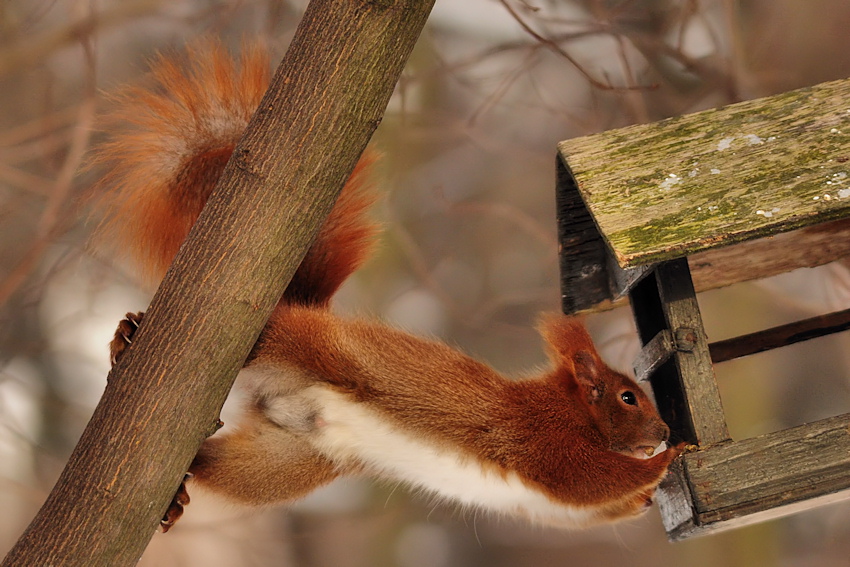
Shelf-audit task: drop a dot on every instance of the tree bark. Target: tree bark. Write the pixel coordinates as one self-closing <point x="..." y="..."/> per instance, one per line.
<point x="163" y="398"/>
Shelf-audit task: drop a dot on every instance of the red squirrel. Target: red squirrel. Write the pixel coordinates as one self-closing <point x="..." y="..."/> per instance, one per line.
<point x="332" y="396"/>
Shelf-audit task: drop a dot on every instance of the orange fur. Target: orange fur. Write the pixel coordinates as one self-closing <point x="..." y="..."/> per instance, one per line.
<point x="558" y="447"/>
<point x="540" y="427"/>
<point x="170" y="142"/>
<point x="260" y="463"/>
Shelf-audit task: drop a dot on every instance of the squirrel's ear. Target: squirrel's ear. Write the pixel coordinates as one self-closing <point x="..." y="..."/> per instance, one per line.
<point x="565" y="337"/>
<point x="586" y="372"/>
<point x="570" y="347"/>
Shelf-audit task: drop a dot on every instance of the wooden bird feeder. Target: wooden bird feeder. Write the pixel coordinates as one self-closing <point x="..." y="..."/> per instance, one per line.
<point x="659" y="212"/>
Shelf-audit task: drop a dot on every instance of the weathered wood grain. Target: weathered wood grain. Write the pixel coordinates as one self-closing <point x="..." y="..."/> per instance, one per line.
<point x="692" y="183"/>
<point x="584" y="271"/>
<point x="757" y="479"/>
<point x="583" y="256"/>
<point x="755" y="259"/>
<point x="653" y="354"/>
<point x="695" y="387"/>
<point x="738" y="193"/>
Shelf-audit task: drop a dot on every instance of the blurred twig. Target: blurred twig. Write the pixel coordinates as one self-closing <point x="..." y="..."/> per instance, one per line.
<point x="508" y="213"/>
<point x="416" y="259"/>
<point x="632" y="100"/>
<point x="517" y="73"/>
<point x="557" y="49"/>
<point x="23" y="179"/>
<point x="51" y="216"/>
<point x="26" y="54"/>
<point x="37" y="128"/>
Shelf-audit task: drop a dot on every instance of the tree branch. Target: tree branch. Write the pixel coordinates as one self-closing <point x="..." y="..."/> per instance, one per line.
<point x="163" y="398"/>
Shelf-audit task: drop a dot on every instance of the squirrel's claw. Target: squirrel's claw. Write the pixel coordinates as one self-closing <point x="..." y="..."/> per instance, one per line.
<point x="175" y="509"/>
<point x="123" y="337"/>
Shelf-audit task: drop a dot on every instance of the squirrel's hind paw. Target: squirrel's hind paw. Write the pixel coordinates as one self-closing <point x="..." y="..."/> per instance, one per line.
<point x="124" y="335"/>
<point x="175" y="509"/>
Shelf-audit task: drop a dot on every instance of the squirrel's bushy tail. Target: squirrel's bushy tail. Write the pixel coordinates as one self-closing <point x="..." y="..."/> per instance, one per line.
<point x="169" y="143"/>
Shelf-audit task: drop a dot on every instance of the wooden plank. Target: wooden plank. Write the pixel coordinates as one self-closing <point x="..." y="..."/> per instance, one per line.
<point x="691" y="183"/>
<point x="757" y="479"/>
<point x="754" y="259"/>
<point x="718" y="267"/>
<point x="590" y="277"/>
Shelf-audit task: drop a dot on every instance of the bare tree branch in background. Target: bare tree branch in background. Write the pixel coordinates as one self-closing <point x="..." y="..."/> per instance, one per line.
<point x="51" y="216"/>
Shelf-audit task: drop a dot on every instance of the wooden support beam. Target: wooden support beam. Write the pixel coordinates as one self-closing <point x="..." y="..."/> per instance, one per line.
<point x="719" y="267"/>
<point x="684" y="387"/>
<point x="681" y="310"/>
<point x="622" y="280"/>
<point x="780" y="336"/>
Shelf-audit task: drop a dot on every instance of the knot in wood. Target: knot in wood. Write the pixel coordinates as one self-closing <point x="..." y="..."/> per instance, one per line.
<point x="685" y="339"/>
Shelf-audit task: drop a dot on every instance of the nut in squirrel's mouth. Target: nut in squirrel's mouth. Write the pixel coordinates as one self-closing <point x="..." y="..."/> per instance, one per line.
<point x="646" y="451"/>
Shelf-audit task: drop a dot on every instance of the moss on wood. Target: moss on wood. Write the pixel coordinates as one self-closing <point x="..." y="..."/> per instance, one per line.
<point x="665" y="190"/>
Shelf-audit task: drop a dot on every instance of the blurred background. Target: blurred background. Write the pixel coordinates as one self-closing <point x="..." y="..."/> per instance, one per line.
<point x="469" y="254"/>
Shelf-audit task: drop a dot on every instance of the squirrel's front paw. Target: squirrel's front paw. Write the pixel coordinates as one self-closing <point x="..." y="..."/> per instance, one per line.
<point x="175" y="509"/>
<point x="124" y="335"/>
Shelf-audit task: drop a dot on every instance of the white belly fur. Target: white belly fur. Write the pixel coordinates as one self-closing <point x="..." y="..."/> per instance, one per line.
<point x="350" y="431"/>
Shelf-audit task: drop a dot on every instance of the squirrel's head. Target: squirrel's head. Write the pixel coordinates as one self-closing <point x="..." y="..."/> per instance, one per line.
<point x="617" y="406"/>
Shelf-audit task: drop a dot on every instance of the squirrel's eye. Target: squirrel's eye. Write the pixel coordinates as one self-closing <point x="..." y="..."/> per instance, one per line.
<point x="629" y="398"/>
